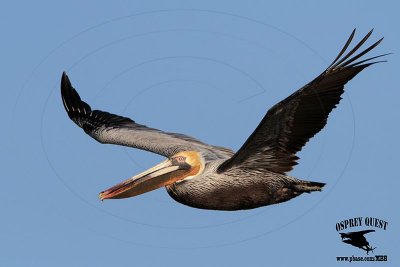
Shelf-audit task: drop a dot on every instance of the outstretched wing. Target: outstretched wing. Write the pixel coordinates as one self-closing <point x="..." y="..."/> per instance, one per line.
<point x="113" y="129"/>
<point x="361" y="233"/>
<point x="288" y="125"/>
<point x="355" y="234"/>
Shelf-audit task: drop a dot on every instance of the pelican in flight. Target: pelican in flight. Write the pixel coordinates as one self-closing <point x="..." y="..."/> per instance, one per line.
<point x="212" y="177"/>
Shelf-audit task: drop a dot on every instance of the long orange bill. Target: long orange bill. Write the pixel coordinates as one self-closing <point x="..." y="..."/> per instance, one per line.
<point x="160" y="175"/>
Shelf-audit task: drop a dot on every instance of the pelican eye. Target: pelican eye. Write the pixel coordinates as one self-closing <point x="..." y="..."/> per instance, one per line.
<point x="180" y="159"/>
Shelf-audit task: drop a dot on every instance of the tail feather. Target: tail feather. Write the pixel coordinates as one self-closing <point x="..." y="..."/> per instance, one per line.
<point x="308" y="186"/>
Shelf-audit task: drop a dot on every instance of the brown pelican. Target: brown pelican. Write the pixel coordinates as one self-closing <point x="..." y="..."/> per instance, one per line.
<point x="212" y="177"/>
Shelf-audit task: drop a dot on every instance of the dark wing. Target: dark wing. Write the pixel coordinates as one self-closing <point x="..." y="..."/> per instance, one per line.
<point x="288" y="125"/>
<point x="361" y="233"/>
<point x="113" y="129"/>
<point x="355" y="234"/>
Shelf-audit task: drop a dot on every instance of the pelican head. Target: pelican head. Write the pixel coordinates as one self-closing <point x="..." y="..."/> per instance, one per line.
<point x="183" y="165"/>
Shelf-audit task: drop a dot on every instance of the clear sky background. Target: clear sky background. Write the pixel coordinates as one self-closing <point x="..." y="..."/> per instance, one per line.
<point x="208" y="69"/>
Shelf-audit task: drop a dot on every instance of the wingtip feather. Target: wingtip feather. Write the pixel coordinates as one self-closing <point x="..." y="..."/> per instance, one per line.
<point x="72" y="102"/>
<point x="346" y="60"/>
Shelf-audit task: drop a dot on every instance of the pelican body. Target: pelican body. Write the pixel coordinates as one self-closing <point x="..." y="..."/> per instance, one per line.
<point x="211" y="177"/>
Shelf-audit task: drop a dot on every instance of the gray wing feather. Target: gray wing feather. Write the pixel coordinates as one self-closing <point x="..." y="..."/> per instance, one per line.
<point x="114" y="129"/>
<point x="288" y="125"/>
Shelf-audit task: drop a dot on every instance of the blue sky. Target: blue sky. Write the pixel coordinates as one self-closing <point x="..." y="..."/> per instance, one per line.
<point x="207" y="69"/>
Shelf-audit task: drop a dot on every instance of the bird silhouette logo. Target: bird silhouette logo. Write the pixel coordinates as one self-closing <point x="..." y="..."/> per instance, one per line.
<point x="358" y="240"/>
